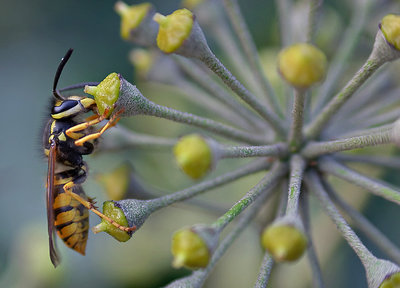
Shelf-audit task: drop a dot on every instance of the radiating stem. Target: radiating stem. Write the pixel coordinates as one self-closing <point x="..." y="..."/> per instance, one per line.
<point x="295" y="134"/>
<point x="314" y="149"/>
<point x="362" y="223"/>
<point x="285" y="9"/>
<point x="208" y="124"/>
<point x="377" y="187"/>
<point x="391" y="162"/>
<point x="312" y="19"/>
<point x="311" y="253"/>
<point x="265" y="271"/>
<point x="297" y="166"/>
<point x="277" y="150"/>
<point x="226" y="76"/>
<point x="266" y="184"/>
<point x="346" y="47"/>
<point x="376" y="269"/>
<point x="249" y="48"/>
<point x="209" y="84"/>
<point x="369" y="67"/>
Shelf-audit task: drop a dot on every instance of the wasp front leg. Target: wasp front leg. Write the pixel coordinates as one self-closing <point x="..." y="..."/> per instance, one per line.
<point x="68" y="188"/>
<point x="114" y="120"/>
<point x="71" y="132"/>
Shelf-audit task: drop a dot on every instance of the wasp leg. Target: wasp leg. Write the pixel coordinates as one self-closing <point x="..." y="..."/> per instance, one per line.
<point x="71" y="131"/>
<point x="114" y="119"/>
<point x="68" y="188"/>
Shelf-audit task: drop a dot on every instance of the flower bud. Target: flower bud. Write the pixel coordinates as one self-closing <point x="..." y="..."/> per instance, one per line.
<point x="180" y="33"/>
<point x="106" y="93"/>
<point x="390" y="27"/>
<point x="116" y="214"/>
<point x="142" y="60"/>
<point x="302" y="65"/>
<point x="192" y="247"/>
<point x="137" y="24"/>
<point x="116" y="183"/>
<point x="284" y="242"/>
<point x="391" y="282"/>
<point x="194" y="155"/>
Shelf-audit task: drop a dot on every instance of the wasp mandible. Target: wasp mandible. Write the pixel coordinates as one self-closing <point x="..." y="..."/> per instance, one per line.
<point x="66" y="138"/>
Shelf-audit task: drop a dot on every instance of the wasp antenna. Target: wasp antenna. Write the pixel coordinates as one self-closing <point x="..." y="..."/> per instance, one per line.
<point x="60" y="68"/>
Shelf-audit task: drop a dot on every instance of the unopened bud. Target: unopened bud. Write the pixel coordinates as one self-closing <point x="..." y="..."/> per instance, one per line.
<point x="390" y="27"/>
<point x="391" y="282"/>
<point x="302" y="65"/>
<point x="194" y="155"/>
<point x="284" y="242"/>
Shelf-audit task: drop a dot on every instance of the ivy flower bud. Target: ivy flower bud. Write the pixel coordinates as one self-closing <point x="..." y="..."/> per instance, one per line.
<point x="194" y="155"/>
<point x="116" y="214"/>
<point x="302" y="65"/>
<point x="391" y="282"/>
<point x="142" y="60"/>
<point x="137" y="24"/>
<point x="106" y="93"/>
<point x="284" y="242"/>
<point x="192" y="247"/>
<point x="116" y="183"/>
<point x="180" y="33"/>
<point x="390" y="27"/>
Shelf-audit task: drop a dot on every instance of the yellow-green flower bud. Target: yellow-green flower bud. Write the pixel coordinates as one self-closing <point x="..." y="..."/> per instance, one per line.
<point x="117" y="215"/>
<point x="392" y="282"/>
<point x="191" y="4"/>
<point x="174" y="29"/>
<point x="390" y="26"/>
<point x="131" y="16"/>
<point x="142" y="60"/>
<point x="189" y="250"/>
<point x="106" y="93"/>
<point x="116" y="182"/>
<point x="284" y="242"/>
<point x="193" y="155"/>
<point x="302" y="65"/>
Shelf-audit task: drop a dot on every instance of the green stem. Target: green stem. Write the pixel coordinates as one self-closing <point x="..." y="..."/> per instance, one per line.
<point x="250" y="50"/>
<point x="265" y="185"/>
<point x="311" y="253"/>
<point x="346" y="48"/>
<point x="205" y="123"/>
<point x="277" y="150"/>
<point x="391" y="162"/>
<point x="370" y="66"/>
<point x="314" y="149"/>
<point x="376" y="269"/>
<point x="312" y="19"/>
<point x="295" y="134"/>
<point x="378" y="188"/>
<point x="209" y="84"/>
<point x="284" y="10"/>
<point x="297" y="166"/>
<point x="362" y="223"/>
<point x="226" y="76"/>
<point x="265" y="271"/>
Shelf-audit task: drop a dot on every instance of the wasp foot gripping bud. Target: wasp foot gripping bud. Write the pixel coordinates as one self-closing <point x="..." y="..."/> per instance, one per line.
<point x="302" y="65"/>
<point x="137" y="24"/>
<point x="192" y="247"/>
<point x="194" y="155"/>
<point x="106" y="93"/>
<point x="116" y="214"/>
<point x="284" y="242"/>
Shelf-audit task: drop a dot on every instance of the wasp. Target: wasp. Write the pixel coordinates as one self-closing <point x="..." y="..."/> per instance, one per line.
<point x="67" y="137"/>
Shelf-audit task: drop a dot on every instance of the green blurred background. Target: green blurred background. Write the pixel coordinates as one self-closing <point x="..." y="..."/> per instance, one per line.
<point x="34" y="36"/>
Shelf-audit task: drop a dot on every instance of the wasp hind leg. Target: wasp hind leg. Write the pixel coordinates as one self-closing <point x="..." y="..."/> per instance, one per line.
<point x="68" y="189"/>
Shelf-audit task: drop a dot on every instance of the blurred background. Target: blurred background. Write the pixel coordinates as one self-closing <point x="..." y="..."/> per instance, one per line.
<point x="34" y="37"/>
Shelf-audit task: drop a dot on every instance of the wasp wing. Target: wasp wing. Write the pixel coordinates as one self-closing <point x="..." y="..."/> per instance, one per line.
<point x="49" y="203"/>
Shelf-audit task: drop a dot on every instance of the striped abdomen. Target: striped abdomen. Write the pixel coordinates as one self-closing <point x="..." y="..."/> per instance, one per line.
<point x="71" y="217"/>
